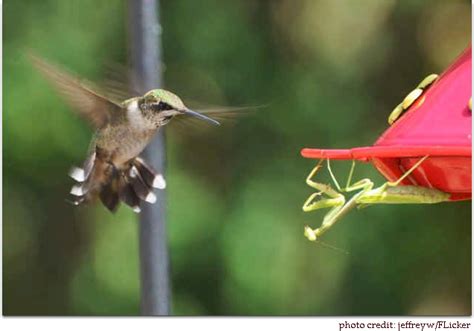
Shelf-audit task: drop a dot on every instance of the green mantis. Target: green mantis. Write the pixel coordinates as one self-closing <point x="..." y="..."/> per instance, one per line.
<point x="387" y="193"/>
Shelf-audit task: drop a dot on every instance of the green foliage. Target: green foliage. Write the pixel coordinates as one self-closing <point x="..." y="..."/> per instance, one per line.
<point x="330" y="77"/>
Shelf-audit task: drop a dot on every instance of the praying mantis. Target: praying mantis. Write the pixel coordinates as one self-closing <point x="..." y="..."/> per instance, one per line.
<point x="387" y="193"/>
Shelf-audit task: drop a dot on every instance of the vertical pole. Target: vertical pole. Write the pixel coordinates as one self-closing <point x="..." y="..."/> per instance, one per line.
<point x="145" y="50"/>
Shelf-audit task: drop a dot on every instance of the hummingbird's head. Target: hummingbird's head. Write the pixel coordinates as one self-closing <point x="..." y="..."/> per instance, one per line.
<point x="164" y="105"/>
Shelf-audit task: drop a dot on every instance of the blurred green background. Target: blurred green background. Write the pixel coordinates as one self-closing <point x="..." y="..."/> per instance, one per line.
<point x="331" y="72"/>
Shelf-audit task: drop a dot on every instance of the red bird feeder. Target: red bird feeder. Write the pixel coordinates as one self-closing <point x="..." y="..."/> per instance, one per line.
<point x="437" y="123"/>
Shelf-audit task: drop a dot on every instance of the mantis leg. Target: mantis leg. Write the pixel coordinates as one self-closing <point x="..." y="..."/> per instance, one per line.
<point x="389" y="193"/>
<point x="336" y="214"/>
<point x="366" y="196"/>
<point x="383" y="188"/>
<point x="334" y="177"/>
<point x="335" y="201"/>
<point x="311" y="203"/>
<point x="340" y="210"/>
<point x="322" y="188"/>
<point x="361" y="184"/>
<point x="406" y="174"/>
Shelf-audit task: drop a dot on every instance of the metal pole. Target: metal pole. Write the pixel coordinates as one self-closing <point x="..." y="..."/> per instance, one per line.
<point x="145" y="46"/>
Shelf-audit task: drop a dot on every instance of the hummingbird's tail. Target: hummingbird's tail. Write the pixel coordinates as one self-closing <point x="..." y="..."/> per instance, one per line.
<point x="132" y="184"/>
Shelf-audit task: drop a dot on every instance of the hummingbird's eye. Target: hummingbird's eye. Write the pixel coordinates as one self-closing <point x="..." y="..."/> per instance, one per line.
<point x="162" y="106"/>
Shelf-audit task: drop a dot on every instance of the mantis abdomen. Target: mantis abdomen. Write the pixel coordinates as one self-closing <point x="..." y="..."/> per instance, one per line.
<point x="403" y="195"/>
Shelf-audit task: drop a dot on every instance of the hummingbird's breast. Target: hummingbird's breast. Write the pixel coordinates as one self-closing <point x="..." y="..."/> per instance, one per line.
<point x="125" y="138"/>
<point x="127" y="135"/>
<point x="121" y="143"/>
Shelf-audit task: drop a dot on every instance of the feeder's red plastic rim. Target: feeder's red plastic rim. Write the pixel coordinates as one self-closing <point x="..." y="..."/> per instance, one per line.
<point x="366" y="153"/>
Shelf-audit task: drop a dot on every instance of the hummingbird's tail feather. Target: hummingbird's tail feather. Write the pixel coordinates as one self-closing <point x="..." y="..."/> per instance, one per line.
<point x="92" y="180"/>
<point x="81" y="174"/>
<point x="137" y="183"/>
<point x="141" y="188"/>
<point x="149" y="175"/>
<point x="109" y="196"/>
<point x="131" y="184"/>
<point x="128" y="196"/>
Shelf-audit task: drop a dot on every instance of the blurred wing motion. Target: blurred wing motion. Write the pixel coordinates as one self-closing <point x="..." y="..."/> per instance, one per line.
<point x="222" y="114"/>
<point x="227" y="113"/>
<point x="89" y="104"/>
<point x="119" y="81"/>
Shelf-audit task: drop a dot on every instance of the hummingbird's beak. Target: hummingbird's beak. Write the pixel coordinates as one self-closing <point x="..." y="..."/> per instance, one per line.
<point x="201" y="116"/>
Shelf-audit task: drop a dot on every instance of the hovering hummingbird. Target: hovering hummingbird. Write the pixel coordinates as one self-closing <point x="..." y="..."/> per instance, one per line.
<point x="113" y="170"/>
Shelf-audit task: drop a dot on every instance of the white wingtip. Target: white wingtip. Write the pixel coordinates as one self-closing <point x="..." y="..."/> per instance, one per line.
<point x="77" y="174"/>
<point x="77" y="190"/>
<point x="159" y="182"/>
<point x="150" y="198"/>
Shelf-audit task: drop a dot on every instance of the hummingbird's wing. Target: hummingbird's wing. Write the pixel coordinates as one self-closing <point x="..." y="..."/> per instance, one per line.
<point x="230" y="113"/>
<point x="226" y="115"/>
<point x="93" y="106"/>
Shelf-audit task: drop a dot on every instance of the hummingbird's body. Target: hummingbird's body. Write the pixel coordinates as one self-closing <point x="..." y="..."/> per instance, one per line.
<point x="113" y="169"/>
<point x="126" y="135"/>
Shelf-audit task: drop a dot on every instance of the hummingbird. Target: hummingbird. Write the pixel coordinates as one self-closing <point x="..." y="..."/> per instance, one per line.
<point x="113" y="171"/>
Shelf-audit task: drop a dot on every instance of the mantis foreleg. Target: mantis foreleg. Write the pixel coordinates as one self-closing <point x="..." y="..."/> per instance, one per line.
<point x="335" y="198"/>
<point x="389" y="192"/>
<point x="340" y="208"/>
